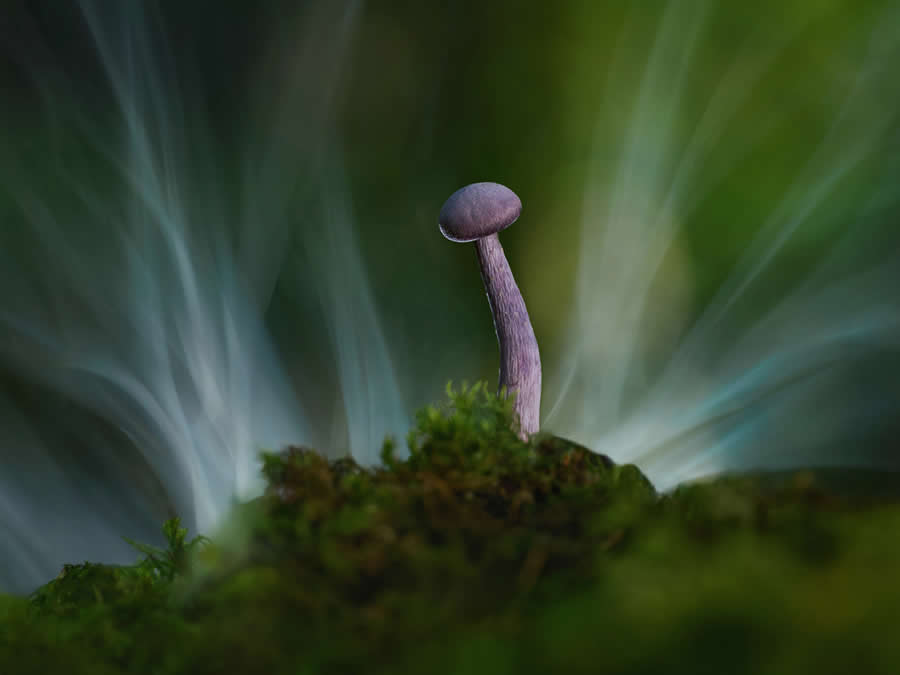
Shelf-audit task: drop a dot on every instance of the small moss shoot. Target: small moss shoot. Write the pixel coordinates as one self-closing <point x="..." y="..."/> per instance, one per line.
<point x="476" y="552"/>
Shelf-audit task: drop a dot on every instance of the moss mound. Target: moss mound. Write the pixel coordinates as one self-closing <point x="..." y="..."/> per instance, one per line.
<point x="478" y="553"/>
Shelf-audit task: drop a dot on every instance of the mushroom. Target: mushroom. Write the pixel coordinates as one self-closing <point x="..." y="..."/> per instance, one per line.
<point x="477" y="212"/>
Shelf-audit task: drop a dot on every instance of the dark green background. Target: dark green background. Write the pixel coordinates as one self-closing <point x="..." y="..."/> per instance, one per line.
<point x="423" y="98"/>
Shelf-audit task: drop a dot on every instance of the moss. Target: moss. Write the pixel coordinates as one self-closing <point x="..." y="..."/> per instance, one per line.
<point x="480" y="553"/>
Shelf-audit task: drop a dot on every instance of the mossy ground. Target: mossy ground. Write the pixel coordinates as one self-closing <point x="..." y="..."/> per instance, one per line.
<point x="482" y="554"/>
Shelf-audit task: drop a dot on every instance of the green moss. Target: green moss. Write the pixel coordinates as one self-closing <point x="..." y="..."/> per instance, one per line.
<point x="480" y="553"/>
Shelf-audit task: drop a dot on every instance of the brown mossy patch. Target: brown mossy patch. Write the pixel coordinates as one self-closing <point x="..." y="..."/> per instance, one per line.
<point x="476" y="552"/>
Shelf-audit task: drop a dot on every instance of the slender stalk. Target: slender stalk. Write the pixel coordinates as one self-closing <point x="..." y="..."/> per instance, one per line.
<point x="520" y="360"/>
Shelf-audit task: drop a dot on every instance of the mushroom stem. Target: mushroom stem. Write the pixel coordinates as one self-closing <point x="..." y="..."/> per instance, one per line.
<point x="520" y="360"/>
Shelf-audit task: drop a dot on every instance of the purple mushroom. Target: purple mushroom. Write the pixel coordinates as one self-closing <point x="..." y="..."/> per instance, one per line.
<point x="477" y="212"/>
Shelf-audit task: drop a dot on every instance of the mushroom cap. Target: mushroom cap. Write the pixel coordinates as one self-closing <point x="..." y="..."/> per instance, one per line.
<point x="478" y="210"/>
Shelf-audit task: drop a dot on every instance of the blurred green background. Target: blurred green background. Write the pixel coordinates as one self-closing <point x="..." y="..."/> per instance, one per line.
<point x="657" y="147"/>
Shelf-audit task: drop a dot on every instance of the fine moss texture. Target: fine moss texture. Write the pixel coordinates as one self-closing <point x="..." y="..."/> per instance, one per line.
<point x="479" y="553"/>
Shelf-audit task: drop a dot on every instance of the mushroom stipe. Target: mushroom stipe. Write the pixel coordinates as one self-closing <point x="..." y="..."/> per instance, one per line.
<point x="477" y="212"/>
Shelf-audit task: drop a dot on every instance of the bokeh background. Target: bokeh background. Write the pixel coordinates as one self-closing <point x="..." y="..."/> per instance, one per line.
<point x="219" y="234"/>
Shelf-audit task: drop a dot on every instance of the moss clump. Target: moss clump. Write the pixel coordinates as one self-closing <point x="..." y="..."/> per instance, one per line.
<point x="471" y="518"/>
<point x="480" y="553"/>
